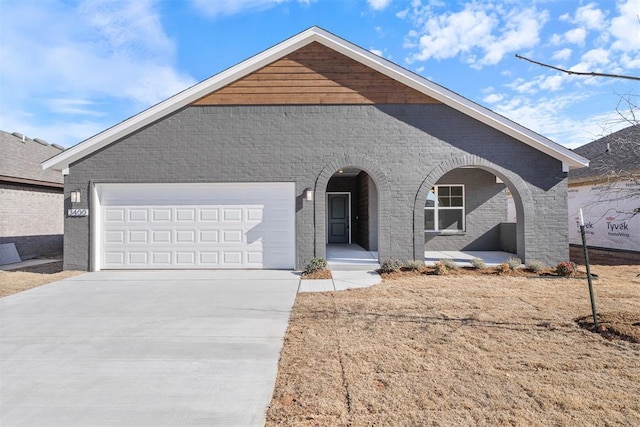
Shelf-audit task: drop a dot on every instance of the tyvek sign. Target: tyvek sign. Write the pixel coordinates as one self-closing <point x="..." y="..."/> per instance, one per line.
<point x="611" y="214"/>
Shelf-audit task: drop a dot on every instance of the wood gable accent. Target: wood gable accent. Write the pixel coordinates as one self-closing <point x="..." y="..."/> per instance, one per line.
<point x="315" y="74"/>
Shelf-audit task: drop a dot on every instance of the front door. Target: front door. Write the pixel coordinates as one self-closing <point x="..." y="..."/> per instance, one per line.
<point x="338" y="215"/>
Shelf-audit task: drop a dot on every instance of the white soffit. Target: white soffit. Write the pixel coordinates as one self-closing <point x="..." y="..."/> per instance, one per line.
<point x="315" y="34"/>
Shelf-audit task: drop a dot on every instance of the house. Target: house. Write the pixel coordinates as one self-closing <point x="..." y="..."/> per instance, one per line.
<point x="608" y="192"/>
<point x="31" y="199"/>
<point x="314" y="141"/>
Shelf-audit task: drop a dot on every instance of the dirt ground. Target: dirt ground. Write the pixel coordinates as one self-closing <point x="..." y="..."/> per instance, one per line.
<point x="12" y="282"/>
<point x="462" y="350"/>
<point x="604" y="257"/>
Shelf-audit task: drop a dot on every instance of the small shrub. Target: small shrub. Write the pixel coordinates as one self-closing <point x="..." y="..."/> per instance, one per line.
<point x="503" y="268"/>
<point x="513" y="262"/>
<point x="536" y="266"/>
<point x="566" y="269"/>
<point x="440" y="268"/>
<point x="315" y="264"/>
<point x="478" y="264"/>
<point x="414" y="265"/>
<point x="391" y="265"/>
<point x="450" y="264"/>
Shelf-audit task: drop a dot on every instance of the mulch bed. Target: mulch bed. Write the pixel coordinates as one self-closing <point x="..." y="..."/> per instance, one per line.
<point x="614" y="325"/>
<point x="548" y="273"/>
<point x="320" y="274"/>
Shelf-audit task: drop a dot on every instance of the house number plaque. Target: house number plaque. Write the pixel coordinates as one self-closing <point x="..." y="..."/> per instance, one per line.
<point x="78" y="212"/>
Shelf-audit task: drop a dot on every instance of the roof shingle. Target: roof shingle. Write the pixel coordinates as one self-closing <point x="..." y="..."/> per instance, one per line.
<point x="20" y="158"/>
<point x="616" y="154"/>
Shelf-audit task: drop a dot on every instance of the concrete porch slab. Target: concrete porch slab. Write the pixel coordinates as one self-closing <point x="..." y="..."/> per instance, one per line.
<point x="463" y="258"/>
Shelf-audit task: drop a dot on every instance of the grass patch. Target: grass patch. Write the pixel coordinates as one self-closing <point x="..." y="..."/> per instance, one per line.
<point x="464" y="349"/>
<point x="12" y="282"/>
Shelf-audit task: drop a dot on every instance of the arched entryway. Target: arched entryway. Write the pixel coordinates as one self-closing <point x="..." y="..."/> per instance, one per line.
<point x="471" y="209"/>
<point x="351" y="211"/>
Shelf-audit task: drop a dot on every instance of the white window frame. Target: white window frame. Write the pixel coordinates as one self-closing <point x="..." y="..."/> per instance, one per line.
<point x="436" y="208"/>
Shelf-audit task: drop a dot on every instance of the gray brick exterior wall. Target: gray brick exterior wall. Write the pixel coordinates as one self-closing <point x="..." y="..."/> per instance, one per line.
<point x="405" y="149"/>
<point x="32" y="218"/>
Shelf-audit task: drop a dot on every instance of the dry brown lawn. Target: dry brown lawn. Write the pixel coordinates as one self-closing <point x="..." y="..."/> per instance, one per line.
<point x="12" y="282"/>
<point x="462" y="350"/>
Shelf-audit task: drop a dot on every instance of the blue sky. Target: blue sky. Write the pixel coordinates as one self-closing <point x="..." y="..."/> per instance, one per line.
<point x="70" y="69"/>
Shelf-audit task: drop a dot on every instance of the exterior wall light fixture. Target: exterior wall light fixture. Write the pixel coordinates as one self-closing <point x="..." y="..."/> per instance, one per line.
<point x="308" y="194"/>
<point x="75" y="196"/>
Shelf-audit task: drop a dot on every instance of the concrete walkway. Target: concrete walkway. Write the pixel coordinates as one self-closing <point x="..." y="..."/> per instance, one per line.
<point x="27" y="264"/>
<point x="341" y="281"/>
<point x="158" y="348"/>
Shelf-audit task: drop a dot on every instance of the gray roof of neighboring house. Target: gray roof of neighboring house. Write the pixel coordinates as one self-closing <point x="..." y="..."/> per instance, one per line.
<point x="614" y="154"/>
<point x="20" y="159"/>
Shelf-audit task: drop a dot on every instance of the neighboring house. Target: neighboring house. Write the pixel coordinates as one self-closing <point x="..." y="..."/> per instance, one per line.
<point x="311" y="142"/>
<point x="31" y="199"/>
<point x="608" y="192"/>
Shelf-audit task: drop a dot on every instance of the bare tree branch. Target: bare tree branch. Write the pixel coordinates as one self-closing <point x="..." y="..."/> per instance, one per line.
<point x="578" y="73"/>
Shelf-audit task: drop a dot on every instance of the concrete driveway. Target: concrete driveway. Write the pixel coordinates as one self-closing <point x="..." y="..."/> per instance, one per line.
<point x="157" y="348"/>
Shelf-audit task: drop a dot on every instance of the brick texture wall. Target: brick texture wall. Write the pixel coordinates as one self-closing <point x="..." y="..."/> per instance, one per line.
<point x="32" y="218"/>
<point x="404" y="148"/>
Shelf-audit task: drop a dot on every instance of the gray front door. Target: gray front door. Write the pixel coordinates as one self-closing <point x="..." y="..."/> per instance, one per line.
<point x="338" y="207"/>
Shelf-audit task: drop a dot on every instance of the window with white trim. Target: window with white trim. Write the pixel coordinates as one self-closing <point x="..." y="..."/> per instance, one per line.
<point x="444" y="209"/>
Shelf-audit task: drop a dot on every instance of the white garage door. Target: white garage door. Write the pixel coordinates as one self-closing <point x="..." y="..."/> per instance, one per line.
<point x="192" y="226"/>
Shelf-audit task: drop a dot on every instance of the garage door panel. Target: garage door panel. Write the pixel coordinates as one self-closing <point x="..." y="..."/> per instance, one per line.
<point x="162" y="258"/>
<point x="231" y="214"/>
<point x="115" y="258"/>
<point x="188" y="258"/>
<point x="138" y="215"/>
<point x="209" y="214"/>
<point x="161" y="215"/>
<point x="115" y="236"/>
<point x="115" y="215"/>
<point x="215" y="226"/>
<point x="138" y="236"/>
<point x="232" y="236"/>
<point x="209" y="236"/>
<point x="209" y="259"/>
<point x="161" y="236"/>
<point x="138" y="258"/>
<point x="186" y="215"/>
<point x="232" y="258"/>
<point x="185" y="236"/>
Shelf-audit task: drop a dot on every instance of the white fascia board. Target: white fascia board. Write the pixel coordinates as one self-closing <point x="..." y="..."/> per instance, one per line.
<point x="184" y="98"/>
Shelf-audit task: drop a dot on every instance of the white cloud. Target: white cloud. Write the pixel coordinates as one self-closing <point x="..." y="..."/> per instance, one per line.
<point x="540" y="83"/>
<point x="214" y="8"/>
<point x="521" y="30"/>
<point x="482" y="33"/>
<point x="552" y="83"/>
<point x="555" y="39"/>
<point x="576" y="36"/>
<point x="493" y="98"/>
<point x="626" y="27"/>
<point x="590" y="16"/>
<point x="447" y="35"/>
<point x="379" y="4"/>
<point x="548" y="116"/>
<point x="53" y="50"/>
<point x="74" y="106"/>
<point x="596" y="57"/>
<point x="562" y="54"/>
<point x="376" y="52"/>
